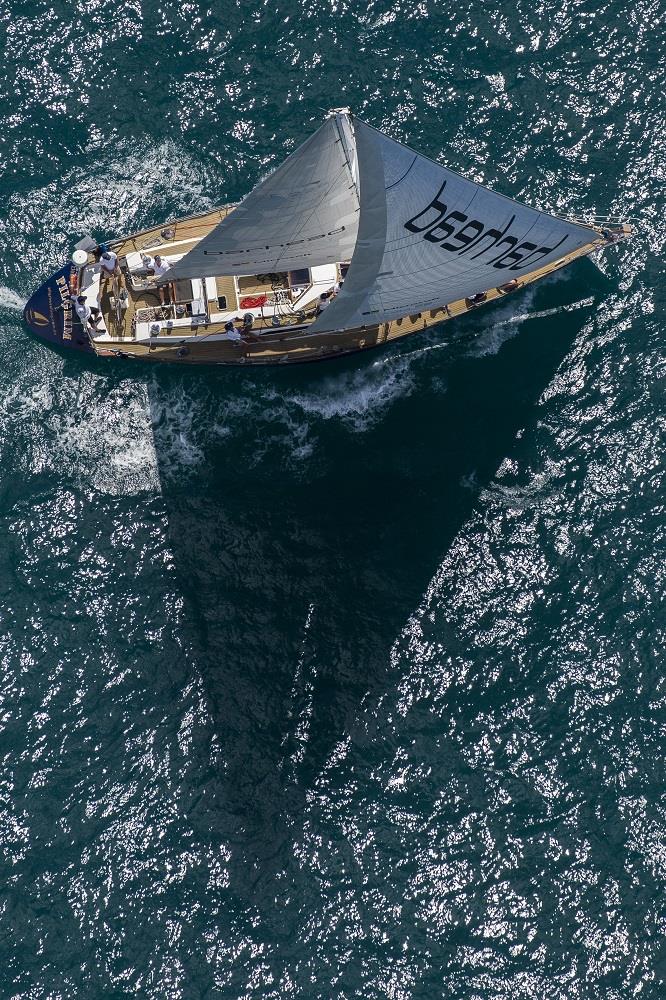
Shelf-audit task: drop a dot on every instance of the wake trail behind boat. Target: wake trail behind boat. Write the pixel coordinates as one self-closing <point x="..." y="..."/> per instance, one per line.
<point x="11" y="300"/>
<point x="509" y="321"/>
<point x="521" y="317"/>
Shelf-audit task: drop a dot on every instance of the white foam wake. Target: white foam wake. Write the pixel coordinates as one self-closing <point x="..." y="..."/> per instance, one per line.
<point x="358" y="399"/>
<point x="87" y="430"/>
<point x="11" y="300"/>
<point x="506" y="326"/>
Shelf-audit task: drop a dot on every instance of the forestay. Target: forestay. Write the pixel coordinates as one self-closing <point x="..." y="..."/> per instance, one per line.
<point x="428" y="237"/>
<point x="305" y="213"/>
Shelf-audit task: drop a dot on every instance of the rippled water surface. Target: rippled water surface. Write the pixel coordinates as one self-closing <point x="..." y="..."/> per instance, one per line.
<point x="341" y="682"/>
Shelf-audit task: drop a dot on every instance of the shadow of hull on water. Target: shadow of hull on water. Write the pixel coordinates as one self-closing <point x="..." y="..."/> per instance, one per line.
<point x="300" y="568"/>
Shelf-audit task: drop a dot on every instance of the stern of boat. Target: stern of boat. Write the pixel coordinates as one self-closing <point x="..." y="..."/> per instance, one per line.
<point x="49" y="314"/>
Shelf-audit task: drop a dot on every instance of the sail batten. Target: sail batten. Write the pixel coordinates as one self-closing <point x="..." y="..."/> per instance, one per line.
<point x="303" y="214"/>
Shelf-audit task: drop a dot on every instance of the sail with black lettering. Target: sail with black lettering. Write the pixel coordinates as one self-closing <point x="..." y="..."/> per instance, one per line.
<point x="355" y="241"/>
<point x="427" y="237"/>
<point x="303" y="214"/>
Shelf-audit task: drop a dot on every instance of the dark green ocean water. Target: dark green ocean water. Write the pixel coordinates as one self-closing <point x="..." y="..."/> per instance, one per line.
<point x="346" y="681"/>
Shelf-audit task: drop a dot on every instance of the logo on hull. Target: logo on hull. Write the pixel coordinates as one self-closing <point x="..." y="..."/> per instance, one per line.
<point x="39" y="319"/>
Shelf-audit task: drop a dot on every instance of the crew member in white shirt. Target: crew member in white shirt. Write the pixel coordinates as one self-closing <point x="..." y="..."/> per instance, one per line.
<point x="323" y="303"/>
<point x="109" y="261"/>
<point x="89" y="316"/>
<point x="161" y="266"/>
<point x="231" y="331"/>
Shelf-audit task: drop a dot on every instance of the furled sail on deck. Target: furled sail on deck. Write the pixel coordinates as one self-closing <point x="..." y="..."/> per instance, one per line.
<point x="303" y="214"/>
<point x="427" y="237"/>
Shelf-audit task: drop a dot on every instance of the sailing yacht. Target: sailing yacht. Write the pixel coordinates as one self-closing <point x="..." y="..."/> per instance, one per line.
<point x="353" y="242"/>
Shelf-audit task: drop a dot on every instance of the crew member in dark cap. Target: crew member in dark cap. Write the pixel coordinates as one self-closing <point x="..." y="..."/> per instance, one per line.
<point x="475" y="300"/>
<point x="90" y="316"/>
<point x="109" y="261"/>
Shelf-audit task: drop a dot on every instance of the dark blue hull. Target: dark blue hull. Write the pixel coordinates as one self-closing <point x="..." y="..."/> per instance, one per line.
<point x="50" y="315"/>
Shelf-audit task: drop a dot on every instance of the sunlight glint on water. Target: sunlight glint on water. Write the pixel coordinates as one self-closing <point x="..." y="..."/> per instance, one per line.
<point x="341" y="681"/>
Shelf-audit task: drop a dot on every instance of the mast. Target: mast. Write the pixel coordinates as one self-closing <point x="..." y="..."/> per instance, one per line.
<point x="344" y="123"/>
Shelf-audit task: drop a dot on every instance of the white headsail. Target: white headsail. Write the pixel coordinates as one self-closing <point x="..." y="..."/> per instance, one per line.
<point x="427" y="237"/>
<point x="305" y="213"/>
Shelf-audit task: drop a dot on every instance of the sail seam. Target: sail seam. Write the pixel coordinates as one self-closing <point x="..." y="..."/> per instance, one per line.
<point x="401" y="179"/>
<point x="272" y="246"/>
<point x="316" y="208"/>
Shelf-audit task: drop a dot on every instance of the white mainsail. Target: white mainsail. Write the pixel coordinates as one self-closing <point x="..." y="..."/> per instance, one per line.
<point x="303" y="214"/>
<point x="427" y="237"/>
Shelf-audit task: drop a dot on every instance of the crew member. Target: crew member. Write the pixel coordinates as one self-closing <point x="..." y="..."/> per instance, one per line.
<point x="160" y="267"/>
<point x="90" y="316"/>
<point x="246" y="329"/>
<point x="324" y="303"/>
<point x="109" y="261"/>
<point x="475" y="300"/>
<point x="231" y="331"/>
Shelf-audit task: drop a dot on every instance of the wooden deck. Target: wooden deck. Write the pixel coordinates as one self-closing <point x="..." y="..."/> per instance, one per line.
<point x="270" y="345"/>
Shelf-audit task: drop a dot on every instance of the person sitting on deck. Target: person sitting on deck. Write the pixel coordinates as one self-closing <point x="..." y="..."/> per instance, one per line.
<point x="510" y="286"/>
<point x="160" y="267"/>
<point x="231" y="331"/>
<point x="475" y="300"/>
<point x="90" y="316"/>
<point x="324" y="303"/>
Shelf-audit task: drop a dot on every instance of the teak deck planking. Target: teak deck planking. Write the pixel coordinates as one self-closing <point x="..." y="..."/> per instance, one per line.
<point x="272" y="345"/>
